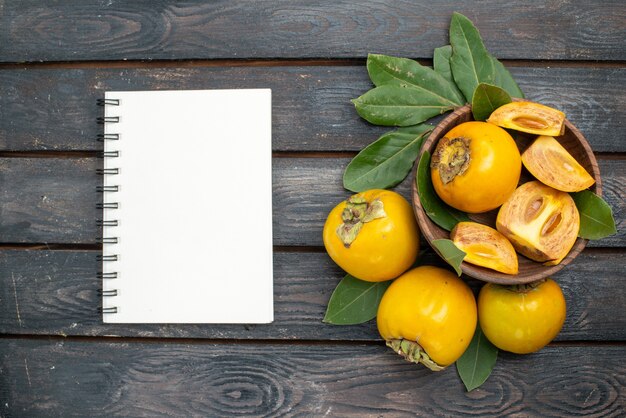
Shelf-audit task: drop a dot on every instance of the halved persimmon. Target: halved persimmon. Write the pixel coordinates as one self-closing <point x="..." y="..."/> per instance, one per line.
<point x="484" y="246"/>
<point x="541" y="222"/>
<point x="533" y="118"/>
<point x="551" y="164"/>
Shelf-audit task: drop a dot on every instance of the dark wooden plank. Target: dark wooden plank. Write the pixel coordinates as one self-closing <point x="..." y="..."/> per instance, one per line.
<point x="96" y="30"/>
<point x="299" y="215"/>
<point x="44" y="200"/>
<point x="70" y="378"/>
<point x="53" y="200"/>
<point x="55" y="292"/>
<point x="54" y="109"/>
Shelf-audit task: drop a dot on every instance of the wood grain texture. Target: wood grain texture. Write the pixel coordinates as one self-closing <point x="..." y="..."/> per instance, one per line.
<point x="306" y="214"/>
<point x="296" y="366"/>
<point x="53" y="200"/>
<point x="46" y="199"/>
<point x="54" y="109"/>
<point x="55" y="293"/>
<point x="58" y="378"/>
<point x="113" y="30"/>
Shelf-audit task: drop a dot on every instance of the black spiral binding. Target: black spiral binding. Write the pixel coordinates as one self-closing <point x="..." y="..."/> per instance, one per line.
<point x="107" y="205"/>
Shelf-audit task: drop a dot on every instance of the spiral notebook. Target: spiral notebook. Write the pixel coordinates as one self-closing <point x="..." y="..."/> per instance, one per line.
<point x="187" y="207"/>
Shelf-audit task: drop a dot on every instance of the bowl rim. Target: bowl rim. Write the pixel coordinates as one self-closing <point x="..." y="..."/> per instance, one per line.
<point x="483" y="273"/>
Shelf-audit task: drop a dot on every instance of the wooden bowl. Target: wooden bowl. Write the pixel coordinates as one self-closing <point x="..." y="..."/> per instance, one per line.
<point x="529" y="270"/>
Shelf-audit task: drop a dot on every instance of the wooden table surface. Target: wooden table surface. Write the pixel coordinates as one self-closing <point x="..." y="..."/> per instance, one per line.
<point x="57" y="358"/>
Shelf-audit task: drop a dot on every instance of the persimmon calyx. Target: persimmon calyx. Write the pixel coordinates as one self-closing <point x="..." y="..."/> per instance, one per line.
<point x="413" y="352"/>
<point x="356" y="213"/>
<point x="525" y="287"/>
<point x="451" y="158"/>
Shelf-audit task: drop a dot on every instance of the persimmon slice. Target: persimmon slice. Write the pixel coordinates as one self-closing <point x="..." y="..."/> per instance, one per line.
<point x="484" y="246"/>
<point x="541" y="222"/>
<point x="552" y="165"/>
<point x="533" y="118"/>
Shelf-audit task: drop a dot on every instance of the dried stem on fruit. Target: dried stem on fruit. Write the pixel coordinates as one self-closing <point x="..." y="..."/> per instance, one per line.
<point x="358" y="212"/>
<point x="413" y="352"/>
<point x="451" y="157"/>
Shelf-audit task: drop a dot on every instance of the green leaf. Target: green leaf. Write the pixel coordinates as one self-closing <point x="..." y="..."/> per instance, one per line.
<point x="488" y="98"/>
<point x="440" y="213"/>
<point x="504" y="79"/>
<point x="354" y="301"/>
<point x="470" y="62"/>
<point x="596" y="216"/>
<point x="392" y="105"/>
<point x="450" y="253"/>
<point x="387" y="161"/>
<point x="476" y="364"/>
<point x="403" y="72"/>
<point x="441" y="64"/>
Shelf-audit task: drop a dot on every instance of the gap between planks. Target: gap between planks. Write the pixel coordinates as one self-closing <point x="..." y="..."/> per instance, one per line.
<point x="277" y="62"/>
<point x="96" y="154"/>
<point x="253" y="342"/>
<point x="48" y="246"/>
<point x="275" y="154"/>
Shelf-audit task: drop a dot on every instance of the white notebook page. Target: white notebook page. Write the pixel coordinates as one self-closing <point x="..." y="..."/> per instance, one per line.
<point x="195" y="207"/>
